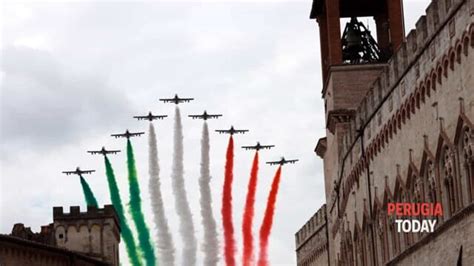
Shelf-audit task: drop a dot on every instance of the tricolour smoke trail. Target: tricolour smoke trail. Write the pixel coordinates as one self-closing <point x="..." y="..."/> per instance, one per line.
<point x="247" y="222"/>
<point x="90" y="198"/>
<point x="126" y="232"/>
<point x="226" y="211"/>
<point x="164" y="239"/>
<point x="211" y="245"/>
<point x="136" y="209"/>
<point x="267" y="223"/>
<point x="186" y="226"/>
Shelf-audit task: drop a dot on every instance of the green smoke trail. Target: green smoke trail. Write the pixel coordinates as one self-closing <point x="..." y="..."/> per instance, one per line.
<point x="136" y="209"/>
<point x="127" y="234"/>
<point x="90" y="198"/>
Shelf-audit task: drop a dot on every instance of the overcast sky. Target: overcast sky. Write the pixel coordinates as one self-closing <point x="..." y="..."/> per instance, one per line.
<point x="72" y="73"/>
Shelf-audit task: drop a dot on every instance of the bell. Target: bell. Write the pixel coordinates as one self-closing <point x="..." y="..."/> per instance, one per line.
<point x="353" y="37"/>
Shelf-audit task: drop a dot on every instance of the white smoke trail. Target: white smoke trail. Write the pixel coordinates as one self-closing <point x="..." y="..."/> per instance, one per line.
<point x="186" y="226"/>
<point x="211" y="244"/>
<point x="164" y="239"/>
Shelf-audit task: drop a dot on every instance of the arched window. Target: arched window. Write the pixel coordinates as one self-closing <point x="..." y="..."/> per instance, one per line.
<point x="448" y="177"/>
<point x="382" y="233"/>
<point x="407" y="237"/>
<point x="394" y="235"/>
<point x="466" y="162"/>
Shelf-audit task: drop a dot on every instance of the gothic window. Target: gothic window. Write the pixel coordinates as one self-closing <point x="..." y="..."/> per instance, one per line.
<point x="394" y="235"/>
<point x="405" y="197"/>
<point x="418" y="189"/>
<point x="383" y="237"/>
<point x="430" y="179"/>
<point x="448" y="177"/>
<point x="466" y="157"/>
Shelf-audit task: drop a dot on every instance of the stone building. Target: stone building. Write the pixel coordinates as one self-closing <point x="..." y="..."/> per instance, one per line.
<point x="74" y="238"/>
<point x="311" y="241"/>
<point x="399" y="128"/>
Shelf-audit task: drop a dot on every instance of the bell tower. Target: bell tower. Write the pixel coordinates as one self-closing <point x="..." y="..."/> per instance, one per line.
<point x="353" y="59"/>
<point x="388" y="16"/>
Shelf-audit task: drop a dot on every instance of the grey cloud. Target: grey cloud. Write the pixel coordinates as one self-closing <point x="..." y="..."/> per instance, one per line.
<point x="44" y="105"/>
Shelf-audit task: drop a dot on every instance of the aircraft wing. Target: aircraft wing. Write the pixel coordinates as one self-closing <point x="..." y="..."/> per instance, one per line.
<point x="249" y="147"/>
<point x="69" y="172"/>
<point x="267" y="146"/>
<point x="214" y="116"/>
<point x="185" y="100"/>
<point x="136" y="134"/>
<point x="223" y="131"/>
<point x="113" y="151"/>
<point x="167" y="100"/>
<point x="94" y="152"/>
<point x="86" y="172"/>
<point x="140" y="117"/>
<point x="118" y="135"/>
<point x="273" y="163"/>
<point x="241" y="131"/>
<point x="291" y="161"/>
<point x="196" y="116"/>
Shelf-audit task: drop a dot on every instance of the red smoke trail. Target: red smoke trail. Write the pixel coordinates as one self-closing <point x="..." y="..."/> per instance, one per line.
<point x="247" y="257"/>
<point x="266" y="227"/>
<point x="229" y="241"/>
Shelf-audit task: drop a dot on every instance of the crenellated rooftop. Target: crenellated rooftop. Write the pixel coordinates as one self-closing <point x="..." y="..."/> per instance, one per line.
<point x="311" y="227"/>
<point x="92" y="213"/>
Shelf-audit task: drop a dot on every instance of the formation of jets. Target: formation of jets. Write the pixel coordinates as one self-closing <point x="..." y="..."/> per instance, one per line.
<point x="283" y="161"/>
<point x="128" y="134"/>
<point x="258" y="147"/>
<point x="176" y="100"/>
<point x="150" y="117"/>
<point x="232" y="131"/>
<point x="205" y="116"/>
<point x="103" y="151"/>
<point x="79" y="172"/>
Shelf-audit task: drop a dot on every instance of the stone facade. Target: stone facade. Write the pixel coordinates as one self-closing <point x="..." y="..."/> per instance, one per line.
<point x="95" y="232"/>
<point x="74" y="238"/>
<point x="408" y="138"/>
<point x="311" y="241"/>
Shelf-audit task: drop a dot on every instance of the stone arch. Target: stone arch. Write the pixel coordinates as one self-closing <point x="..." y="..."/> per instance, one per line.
<point x="447" y="171"/>
<point x="418" y="97"/>
<point x="412" y="105"/>
<point x="445" y="66"/>
<point x="465" y="45"/>
<point x="464" y="141"/>
<point x="439" y="73"/>
<point x="399" y="120"/>
<point x="404" y="114"/>
<point x="452" y="59"/>
<point x="458" y="52"/>
<point x="430" y="178"/>
<point x="434" y="78"/>
<point x="390" y="130"/>
<point x="427" y="82"/>
<point x="382" y="232"/>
